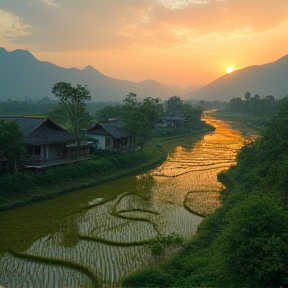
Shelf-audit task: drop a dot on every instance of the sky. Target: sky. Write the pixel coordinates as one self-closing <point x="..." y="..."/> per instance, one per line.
<point x="175" y="42"/>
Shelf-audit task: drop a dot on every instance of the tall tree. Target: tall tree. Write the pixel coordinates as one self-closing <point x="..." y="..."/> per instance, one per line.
<point x="174" y="104"/>
<point x="12" y="144"/>
<point x="73" y="99"/>
<point x="140" y="116"/>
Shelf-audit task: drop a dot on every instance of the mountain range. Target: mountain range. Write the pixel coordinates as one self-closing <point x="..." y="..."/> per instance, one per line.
<point x="22" y="75"/>
<point x="264" y="80"/>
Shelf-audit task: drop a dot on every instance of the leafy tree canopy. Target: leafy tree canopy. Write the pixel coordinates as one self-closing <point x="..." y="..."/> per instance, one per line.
<point x="73" y="99"/>
<point x="11" y="142"/>
<point x="140" y="116"/>
<point x="253" y="246"/>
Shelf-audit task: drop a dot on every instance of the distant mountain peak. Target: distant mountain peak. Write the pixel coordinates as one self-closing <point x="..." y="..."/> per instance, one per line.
<point x="22" y="75"/>
<point x="22" y="53"/>
<point x="3" y="49"/>
<point x="149" y="81"/>
<point x="89" y="67"/>
<point x="265" y="79"/>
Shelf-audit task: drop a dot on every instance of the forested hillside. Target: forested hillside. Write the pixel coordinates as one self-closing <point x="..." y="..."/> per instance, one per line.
<point x="245" y="242"/>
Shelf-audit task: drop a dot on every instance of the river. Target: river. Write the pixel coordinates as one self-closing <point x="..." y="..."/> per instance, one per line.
<point x="99" y="235"/>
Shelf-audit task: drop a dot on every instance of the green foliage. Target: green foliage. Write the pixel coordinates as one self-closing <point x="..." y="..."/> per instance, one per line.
<point x="12" y="144"/>
<point x="27" y="107"/>
<point x="140" y="116"/>
<point x="159" y="245"/>
<point x="174" y="104"/>
<point x="244" y="243"/>
<point x="255" y="105"/>
<point x="190" y="114"/>
<point x="58" y="115"/>
<point x="16" y="185"/>
<point x="72" y="101"/>
<point x="153" y="277"/>
<point x="253" y="246"/>
<point x="25" y="187"/>
<point x="109" y="112"/>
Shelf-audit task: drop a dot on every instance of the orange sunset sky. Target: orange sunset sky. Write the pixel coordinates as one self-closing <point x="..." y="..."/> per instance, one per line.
<point x="175" y="42"/>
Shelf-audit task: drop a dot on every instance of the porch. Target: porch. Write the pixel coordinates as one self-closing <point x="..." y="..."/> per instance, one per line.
<point x="44" y="163"/>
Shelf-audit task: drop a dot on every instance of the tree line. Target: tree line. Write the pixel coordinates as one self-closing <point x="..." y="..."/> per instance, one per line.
<point x="70" y="110"/>
<point x="254" y="104"/>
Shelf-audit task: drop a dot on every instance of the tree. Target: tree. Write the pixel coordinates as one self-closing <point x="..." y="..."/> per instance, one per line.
<point x="140" y="116"/>
<point x="236" y="104"/>
<point x="11" y="142"/>
<point x="174" y="104"/>
<point x="109" y="112"/>
<point x="72" y="99"/>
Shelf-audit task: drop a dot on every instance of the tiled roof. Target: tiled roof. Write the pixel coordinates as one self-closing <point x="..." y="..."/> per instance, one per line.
<point x="114" y="128"/>
<point x="41" y="130"/>
<point x="26" y="124"/>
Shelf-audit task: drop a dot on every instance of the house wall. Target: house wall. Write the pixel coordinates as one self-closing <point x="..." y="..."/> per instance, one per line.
<point x="99" y="138"/>
<point x="45" y="152"/>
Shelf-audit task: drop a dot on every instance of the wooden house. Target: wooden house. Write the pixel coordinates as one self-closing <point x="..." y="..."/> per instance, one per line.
<point x="174" y="120"/>
<point x="47" y="143"/>
<point x="112" y="136"/>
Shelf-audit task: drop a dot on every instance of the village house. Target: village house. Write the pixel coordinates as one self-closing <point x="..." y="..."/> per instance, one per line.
<point x="172" y="120"/>
<point x="48" y="143"/>
<point x="112" y="136"/>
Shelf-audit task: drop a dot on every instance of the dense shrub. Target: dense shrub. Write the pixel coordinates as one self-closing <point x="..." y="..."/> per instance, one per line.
<point x="16" y="185"/>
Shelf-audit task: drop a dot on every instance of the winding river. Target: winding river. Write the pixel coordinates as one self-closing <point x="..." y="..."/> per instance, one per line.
<point x="97" y="236"/>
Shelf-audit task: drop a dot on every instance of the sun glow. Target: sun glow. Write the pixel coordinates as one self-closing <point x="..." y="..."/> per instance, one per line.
<point x="230" y="69"/>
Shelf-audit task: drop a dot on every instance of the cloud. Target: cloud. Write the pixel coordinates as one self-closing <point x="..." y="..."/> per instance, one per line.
<point x="113" y="24"/>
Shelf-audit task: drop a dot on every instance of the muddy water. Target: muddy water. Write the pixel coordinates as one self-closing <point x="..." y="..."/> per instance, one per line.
<point x="99" y="235"/>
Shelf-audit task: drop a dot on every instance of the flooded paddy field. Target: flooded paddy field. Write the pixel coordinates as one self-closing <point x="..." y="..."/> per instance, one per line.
<point x="97" y="236"/>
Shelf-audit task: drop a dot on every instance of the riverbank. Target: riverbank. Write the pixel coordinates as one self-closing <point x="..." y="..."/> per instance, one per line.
<point x="249" y="125"/>
<point x="244" y="242"/>
<point x="25" y="188"/>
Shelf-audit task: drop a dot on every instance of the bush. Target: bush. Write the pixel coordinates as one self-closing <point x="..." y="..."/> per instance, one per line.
<point x="159" y="245"/>
<point x="252" y="247"/>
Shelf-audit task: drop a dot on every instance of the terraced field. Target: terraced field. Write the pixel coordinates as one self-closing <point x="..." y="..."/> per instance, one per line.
<point x="87" y="239"/>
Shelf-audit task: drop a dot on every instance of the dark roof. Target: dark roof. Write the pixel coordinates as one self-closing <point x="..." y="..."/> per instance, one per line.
<point x="114" y="128"/>
<point x="174" y="117"/>
<point x="41" y="130"/>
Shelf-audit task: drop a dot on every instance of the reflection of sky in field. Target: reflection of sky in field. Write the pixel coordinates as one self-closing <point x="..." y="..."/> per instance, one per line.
<point x="108" y="239"/>
<point x="194" y="169"/>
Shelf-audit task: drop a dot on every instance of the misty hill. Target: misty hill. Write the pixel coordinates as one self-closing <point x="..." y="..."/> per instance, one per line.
<point x="267" y="79"/>
<point x="22" y="75"/>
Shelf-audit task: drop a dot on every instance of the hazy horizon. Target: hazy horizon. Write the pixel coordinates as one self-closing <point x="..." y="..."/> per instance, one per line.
<point x="183" y="43"/>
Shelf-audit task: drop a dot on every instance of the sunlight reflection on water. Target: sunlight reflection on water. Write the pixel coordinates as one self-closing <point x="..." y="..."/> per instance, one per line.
<point x="108" y="238"/>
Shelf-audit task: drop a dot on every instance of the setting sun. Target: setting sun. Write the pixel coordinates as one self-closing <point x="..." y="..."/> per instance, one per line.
<point x="230" y="69"/>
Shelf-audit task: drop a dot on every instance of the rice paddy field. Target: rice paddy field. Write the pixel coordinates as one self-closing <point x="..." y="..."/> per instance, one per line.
<point x="97" y="236"/>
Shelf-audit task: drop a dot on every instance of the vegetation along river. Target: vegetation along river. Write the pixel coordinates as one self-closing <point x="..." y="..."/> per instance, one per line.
<point x="97" y="236"/>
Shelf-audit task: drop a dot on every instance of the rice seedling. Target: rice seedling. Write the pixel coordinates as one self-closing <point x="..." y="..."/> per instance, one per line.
<point x="107" y="229"/>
